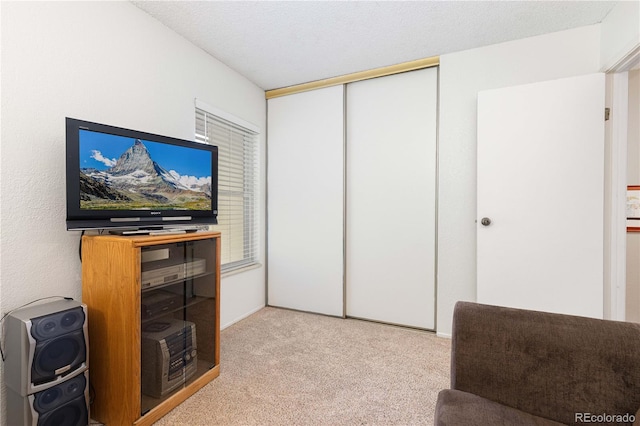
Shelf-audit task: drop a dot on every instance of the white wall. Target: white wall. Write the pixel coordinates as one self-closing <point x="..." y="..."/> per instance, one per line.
<point x="107" y="62"/>
<point x="620" y="33"/>
<point x="462" y="75"/>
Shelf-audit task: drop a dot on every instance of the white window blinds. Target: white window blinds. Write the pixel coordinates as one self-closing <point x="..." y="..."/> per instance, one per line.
<point x="237" y="143"/>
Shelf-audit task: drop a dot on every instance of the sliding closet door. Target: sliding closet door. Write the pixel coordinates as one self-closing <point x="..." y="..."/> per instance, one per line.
<point x="305" y="201"/>
<point x="391" y="199"/>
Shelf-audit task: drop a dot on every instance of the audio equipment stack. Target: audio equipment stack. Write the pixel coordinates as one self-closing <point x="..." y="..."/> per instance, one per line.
<point x="47" y="364"/>
<point x="169" y="355"/>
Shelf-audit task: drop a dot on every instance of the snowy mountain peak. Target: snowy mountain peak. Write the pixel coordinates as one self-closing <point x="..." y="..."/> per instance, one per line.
<point x="133" y="159"/>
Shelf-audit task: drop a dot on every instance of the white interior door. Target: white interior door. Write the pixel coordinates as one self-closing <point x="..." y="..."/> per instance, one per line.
<point x="305" y="201"/>
<point x="391" y="198"/>
<point x="541" y="183"/>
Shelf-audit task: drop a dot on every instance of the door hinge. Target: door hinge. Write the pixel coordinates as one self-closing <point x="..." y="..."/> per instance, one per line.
<point x="607" y="114"/>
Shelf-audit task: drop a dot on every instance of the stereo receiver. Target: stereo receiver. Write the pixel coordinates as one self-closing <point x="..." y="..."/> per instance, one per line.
<point x="169" y="355"/>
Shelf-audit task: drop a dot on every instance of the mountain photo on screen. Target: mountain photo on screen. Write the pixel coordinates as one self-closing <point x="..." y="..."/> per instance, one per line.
<point x="145" y="176"/>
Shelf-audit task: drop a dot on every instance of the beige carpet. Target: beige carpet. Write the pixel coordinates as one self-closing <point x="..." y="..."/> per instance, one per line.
<point x="281" y="367"/>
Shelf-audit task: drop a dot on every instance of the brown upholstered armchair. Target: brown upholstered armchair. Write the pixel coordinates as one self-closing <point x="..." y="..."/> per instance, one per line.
<point x="520" y="367"/>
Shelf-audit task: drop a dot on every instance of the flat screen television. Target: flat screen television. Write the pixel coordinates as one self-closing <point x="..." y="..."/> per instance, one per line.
<point x="125" y="179"/>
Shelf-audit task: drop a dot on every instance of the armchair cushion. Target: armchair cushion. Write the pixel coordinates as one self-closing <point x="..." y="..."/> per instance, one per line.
<point x="457" y="408"/>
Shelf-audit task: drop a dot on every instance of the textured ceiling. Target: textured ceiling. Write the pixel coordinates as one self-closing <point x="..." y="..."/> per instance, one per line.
<point x="281" y="43"/>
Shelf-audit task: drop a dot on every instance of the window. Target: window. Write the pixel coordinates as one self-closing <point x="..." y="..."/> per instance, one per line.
<point x="237" y="143"/>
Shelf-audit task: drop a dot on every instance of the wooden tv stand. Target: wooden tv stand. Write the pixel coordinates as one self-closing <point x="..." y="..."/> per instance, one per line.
<point x="147" y="296"/>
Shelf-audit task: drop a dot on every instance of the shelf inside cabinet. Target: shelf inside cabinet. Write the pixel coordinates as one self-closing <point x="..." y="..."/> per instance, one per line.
<point x="148" y="315"/>
<point x="145" y="287"/>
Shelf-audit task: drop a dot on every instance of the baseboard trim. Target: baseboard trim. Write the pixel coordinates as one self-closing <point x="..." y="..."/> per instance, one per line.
<point x="248" y="314"/>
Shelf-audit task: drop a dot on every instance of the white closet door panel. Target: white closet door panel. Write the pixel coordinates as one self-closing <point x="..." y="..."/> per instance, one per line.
<point x="305" y="201"/>
<point x="391" y="198"/>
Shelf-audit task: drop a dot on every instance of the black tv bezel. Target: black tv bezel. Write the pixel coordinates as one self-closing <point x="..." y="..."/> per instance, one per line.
<point x="80" y="219"/>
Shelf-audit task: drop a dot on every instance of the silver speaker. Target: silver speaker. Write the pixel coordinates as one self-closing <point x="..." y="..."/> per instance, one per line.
<point x="65" y="404"/>
<point x="46" y="344"/>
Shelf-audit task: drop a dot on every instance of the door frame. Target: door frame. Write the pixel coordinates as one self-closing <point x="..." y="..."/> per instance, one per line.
<point x="615" y="262"/>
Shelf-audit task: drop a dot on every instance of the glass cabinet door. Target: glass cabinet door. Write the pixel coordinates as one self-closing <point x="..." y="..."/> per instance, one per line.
<point x="178" y="317"/>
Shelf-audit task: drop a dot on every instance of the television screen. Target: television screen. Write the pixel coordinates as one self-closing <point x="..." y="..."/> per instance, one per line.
<point x="120" y="178"/>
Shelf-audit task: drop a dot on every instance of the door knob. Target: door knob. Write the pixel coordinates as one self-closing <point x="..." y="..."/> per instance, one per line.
<point x="485" y="221"/>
